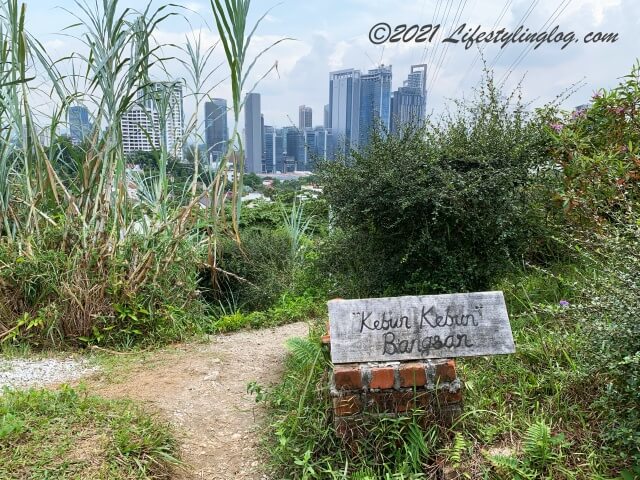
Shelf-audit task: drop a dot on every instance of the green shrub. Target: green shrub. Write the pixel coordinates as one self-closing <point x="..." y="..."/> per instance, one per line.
<point x="261" y="268"/>
<point x="288" y="309"/>
<point x="437" y="209"/>
<point x="272" y="258"/>
<point x="50" y="297"/>
<point x="608" y="310"/>
<point x="598" y="152"/>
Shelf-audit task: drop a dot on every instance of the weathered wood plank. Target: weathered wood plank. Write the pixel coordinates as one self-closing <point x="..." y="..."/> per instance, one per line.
<point x="414" y="327"/>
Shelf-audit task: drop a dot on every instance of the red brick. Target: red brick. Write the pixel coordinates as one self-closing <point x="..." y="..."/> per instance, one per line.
<point x="395" y="401"/>
<point x="348" y="405"/>
<point x="347" y="377"/>
<point x="412" y="375"/>
<point x="382" y="377"/>
<point x="446" y="372"/>
<point x="423" y="400"/>
<point x="378" y="402"/>
<point x="403" y="401"/>
<point x="446" y="398"/>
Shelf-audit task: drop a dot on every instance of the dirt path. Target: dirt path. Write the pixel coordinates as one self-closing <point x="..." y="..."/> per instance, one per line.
<point x="202" y="389"/>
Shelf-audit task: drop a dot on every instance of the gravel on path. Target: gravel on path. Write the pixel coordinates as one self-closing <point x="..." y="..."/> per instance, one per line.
<point x="24" y="373"/>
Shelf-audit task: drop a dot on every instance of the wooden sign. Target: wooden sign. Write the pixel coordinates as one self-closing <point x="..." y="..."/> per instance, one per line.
<point x="415" y="327"/>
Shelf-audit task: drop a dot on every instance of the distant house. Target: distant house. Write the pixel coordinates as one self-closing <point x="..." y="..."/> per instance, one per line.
<point x="255" y="196"/>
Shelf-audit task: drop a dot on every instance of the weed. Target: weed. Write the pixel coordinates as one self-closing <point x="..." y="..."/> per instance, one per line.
<point x="69" y="434"/>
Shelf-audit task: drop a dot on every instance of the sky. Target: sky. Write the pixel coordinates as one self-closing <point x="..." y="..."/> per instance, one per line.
<point x="328" y="35"/>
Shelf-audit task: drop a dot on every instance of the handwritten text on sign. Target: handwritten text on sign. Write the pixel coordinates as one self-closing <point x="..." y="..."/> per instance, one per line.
<point x="432" y="326"/>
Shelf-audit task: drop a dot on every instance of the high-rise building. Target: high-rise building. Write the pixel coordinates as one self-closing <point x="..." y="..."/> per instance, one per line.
<point x="216" y="132"/>
<point x="253" y="133"/>
<point x="325" y="146"/>
<point x="263" y="140"/>
<point x="166" y="98"/>
<point x="155" y="120"/>
<point x="269" y="154"/>
<point x="304" y="117"/>
<point x="310" y="148"/>
<point x="140" y="130"/>
<point x="375" y="101"/>
<point x="278" y="150"/>
<point x="327" y="119"/>
<point x="79" y="123"/>
<point x="344" y="108"/>
<point x="317" y="146"/>
<point x="294" y="148"/>
<point x="44" y="137"/>
<point x="409" y="102"/>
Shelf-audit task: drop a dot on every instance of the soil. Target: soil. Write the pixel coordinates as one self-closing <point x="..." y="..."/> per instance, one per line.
<point x="202" y="390"/>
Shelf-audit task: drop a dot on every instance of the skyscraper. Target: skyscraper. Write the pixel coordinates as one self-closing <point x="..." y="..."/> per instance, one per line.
<point x="310" y="148"/>
<point x="79" y="124"/>
<point x="216" y="132"/>
<point x="375" y="101"/>
<point x="344" y="108"/>
<point x="262" y="136"/>
<point x="294" y="148"/>
<point x="327" y="119"/>
<point x="278" y="150"/>
<point x="317" y="146"/>
<point x="304" y="117"/>
<point x="253" y="133"/>
<point x="156" y="119"/>
<point x="269" y="154"/>
<point x="409" y="102"/>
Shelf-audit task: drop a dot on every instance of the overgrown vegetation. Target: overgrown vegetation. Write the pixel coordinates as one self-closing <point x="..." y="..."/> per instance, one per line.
<point x="542" y="205"/>
<point x="303" y="443"/>
<point x="92" y="251"/>
<point x="564" y="250"/>
<point x="69" y="434"/>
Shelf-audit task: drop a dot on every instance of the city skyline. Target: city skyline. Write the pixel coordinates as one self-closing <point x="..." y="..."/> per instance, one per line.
<point x="356" y="102"/>
<point x="325" y="43"/>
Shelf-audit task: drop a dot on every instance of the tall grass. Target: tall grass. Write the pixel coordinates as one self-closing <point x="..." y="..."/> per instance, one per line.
<point x="89" y="215"/>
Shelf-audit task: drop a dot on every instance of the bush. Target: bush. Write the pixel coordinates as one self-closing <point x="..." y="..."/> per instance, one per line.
<point x="272" y="260"/>
<point x="607" y="312"/>
<point x="288" y="309"/>
<point x="261" y="268"/>
<point x="598" y="152"/>
<point x="50" y="297"/>
<point x="442" y="208"/>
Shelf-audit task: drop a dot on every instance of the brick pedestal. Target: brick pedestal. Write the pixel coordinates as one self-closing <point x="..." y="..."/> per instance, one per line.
<point x="391" y="388"/>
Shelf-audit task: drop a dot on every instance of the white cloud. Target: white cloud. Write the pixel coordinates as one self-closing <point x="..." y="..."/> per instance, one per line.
<point x="597" y="8"/>
<point x="194" y="6"/>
